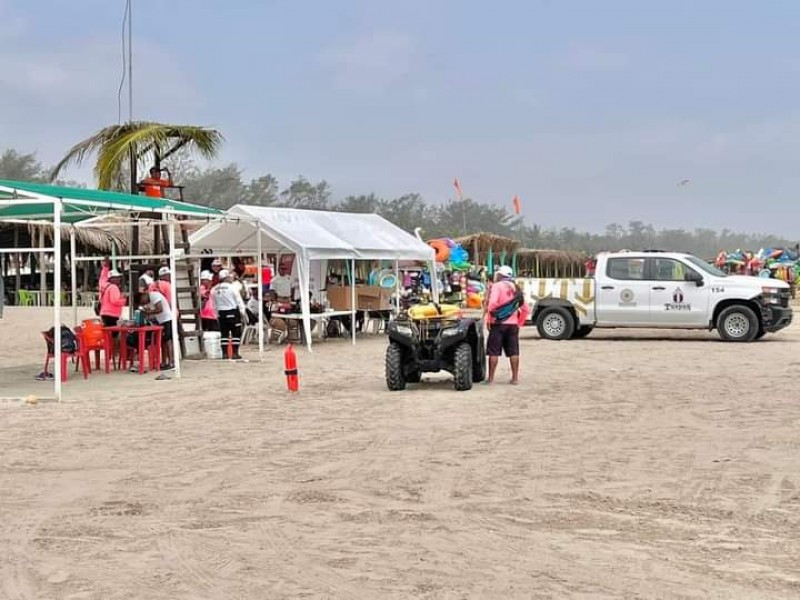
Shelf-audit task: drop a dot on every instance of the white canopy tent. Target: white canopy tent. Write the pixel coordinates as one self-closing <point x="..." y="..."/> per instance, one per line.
<point x="311" y="235"/>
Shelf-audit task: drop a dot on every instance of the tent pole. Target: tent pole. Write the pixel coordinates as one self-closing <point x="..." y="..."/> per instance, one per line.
<point x="353" y="300"/>
<point x="434" y="282"/>
<point x="261" y="298"/>
<point x="57" y="298"/>
<point x="397" y="286"/>
<point x="176" y="346"/>
<point x="73" y="267"/>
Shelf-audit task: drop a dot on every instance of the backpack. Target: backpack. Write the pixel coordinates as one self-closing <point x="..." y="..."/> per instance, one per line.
<point x="507" y="310"/>
<point x="69" y="343"/>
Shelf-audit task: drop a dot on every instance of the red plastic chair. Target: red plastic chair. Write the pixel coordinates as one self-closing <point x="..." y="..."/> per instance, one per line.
<point x="83" y="355"/>
<point x="153" y="350"/>
<point x="91" y="339"/>
<point x="65" y="356"/>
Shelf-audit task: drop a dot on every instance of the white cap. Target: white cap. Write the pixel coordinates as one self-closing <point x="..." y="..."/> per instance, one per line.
<point x="224" y="274"/>
<point x="505" y="271"/>
<point x="163" y="271"/>
<point x="206" y="276"/>
<point x="216" y="262"/>
<point x="114" y="273"/>
<point x="147" y="280"/>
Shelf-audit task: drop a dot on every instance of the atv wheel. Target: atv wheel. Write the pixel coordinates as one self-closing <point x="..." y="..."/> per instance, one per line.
<point x="395" y="378"/>
<point x="737" y="323"/>
<point x="462" y="373"/>
<point x="479" y="366"/>
<point x="555" y="323"/>
<point x="582" y="331"/>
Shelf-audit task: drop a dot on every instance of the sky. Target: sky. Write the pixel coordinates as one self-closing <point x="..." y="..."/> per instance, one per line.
<point x="592" y="112"/>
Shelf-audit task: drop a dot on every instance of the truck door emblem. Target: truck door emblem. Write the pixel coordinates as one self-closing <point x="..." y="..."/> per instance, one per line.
<point x="626" y="297"/>
<point x="677" y="301"/>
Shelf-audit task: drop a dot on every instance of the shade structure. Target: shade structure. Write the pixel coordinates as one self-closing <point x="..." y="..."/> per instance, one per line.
<point x="25" y="201"/>
<point x="316" y="234"/>
<point x="310" y="235"/>
<point x="62" y="206"/>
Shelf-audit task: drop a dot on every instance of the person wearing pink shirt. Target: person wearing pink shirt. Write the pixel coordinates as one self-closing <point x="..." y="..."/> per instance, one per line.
<point x="105" y="269"/>
<point x="208" y="316"/>
<point x="504" y="334"/>
<point x="112" y="300"/>
<point x="163" y="285"/>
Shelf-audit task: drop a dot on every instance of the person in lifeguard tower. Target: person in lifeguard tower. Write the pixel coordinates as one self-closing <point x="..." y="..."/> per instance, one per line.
<point x="154" y="185"/>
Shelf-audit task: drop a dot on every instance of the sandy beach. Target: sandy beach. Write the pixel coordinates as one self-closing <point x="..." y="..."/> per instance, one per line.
<point x="625" y="465"/>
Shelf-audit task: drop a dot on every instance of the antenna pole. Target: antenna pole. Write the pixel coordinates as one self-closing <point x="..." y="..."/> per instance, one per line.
<point x="130" y="61"/>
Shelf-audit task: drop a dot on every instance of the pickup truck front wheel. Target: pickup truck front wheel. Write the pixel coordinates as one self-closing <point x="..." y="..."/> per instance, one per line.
<point x="555" y="323"/>
<point x="737" y="323"/>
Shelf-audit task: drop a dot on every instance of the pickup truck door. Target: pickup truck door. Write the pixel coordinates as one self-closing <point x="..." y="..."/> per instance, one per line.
<point x="623" y="293"/>
<point x="675" y="300"/>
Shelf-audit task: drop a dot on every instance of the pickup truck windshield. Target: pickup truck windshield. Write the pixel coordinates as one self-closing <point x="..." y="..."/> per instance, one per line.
<point x="710" y="269"/>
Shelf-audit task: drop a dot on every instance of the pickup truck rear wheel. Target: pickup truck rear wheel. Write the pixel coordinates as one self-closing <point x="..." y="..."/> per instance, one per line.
<point x="555" y="323"/>
<point x="737" y="323"/>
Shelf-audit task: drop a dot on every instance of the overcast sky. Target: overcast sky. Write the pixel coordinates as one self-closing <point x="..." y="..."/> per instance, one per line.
<point x="591" y="111"/>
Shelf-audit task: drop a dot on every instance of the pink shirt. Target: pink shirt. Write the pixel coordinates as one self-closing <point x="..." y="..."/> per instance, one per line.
<point x="104" y="277"/>
<point x="207" y="310"/>
<point x="165" y="287"/>
<point x="500" y="293"/>
<point x="111" y="301"/>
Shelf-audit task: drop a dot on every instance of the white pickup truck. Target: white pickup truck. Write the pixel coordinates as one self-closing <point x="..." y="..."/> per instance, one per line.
<point x="651" y="289"/>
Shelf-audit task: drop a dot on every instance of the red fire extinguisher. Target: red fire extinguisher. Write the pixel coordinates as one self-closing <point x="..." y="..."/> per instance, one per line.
<point x="290" y="368"/>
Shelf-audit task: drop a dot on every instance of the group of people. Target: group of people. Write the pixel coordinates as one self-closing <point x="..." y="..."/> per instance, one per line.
<point x="227" y="303"/>
<point x="153" y="299"/>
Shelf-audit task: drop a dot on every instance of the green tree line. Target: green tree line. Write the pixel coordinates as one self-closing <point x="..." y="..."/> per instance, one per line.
<point x="224" y="186"/>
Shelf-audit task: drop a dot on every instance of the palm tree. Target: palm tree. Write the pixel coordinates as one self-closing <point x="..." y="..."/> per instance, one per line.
<point x="148" y="142"/>
<point x="121" y="148"/>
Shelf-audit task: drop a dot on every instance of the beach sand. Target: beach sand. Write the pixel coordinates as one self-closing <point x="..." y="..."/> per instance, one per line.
<point x="626" y="465"/>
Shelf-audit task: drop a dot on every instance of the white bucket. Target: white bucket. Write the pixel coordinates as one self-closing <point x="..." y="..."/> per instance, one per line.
<point x="212" y="342"/>
<point x="192" y="344"/>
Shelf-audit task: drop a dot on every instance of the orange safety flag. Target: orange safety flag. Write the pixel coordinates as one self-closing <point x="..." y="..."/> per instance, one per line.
<point x="517" y="205"/>
<point x="458" y="188"/>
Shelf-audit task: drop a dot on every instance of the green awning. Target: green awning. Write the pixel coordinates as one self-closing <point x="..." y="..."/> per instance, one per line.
<point x="79" y="204"/>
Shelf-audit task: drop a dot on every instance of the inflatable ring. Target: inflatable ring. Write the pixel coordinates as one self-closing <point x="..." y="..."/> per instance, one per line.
<point x="388" y="281"/>
<point x="428" y="311"/>
<point x="442" y="250"/>
<point x="474" y="301"/>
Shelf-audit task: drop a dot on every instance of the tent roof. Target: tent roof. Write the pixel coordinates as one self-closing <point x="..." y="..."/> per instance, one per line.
<point x="79" y="204"/>
<point x="316" y="234"/>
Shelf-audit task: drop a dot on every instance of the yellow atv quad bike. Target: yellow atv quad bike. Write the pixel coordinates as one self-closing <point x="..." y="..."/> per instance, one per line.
<point x="431" y="338"/>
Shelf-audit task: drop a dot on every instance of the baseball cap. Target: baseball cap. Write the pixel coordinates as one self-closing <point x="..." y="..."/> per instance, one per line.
<point x="114" y="273"/>
<point x="224" y="274"/>
<point x="147" y="279"/>
<point x="216" y="262"/>
<point x="505" y="271"/>
<point x="206" y="276"/>
<point x="163" y="271"/>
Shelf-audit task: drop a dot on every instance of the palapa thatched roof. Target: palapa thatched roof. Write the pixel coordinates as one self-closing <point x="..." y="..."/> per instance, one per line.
<point x="107" y="233"/>
<point x="478" y="245"/>
<point x="550" y="263"/>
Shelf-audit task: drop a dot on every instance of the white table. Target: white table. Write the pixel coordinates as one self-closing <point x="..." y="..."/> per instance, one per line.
<point x="322" y="318"/>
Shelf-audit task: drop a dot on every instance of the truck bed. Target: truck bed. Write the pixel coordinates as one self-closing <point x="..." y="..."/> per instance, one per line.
<point x="580" y="293"/>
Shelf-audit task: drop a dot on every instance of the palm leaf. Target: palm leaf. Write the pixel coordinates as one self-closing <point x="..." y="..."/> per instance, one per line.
<point x="113" y="146"/>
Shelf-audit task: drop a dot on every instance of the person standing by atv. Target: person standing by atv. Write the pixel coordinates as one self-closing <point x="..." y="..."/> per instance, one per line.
<point x="506" y="311"/>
